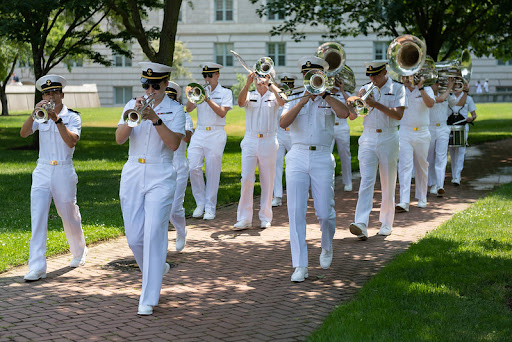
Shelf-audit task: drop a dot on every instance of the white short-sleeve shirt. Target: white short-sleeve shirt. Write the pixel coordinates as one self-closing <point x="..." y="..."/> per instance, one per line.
<point x="51" y="144"/>
<point x="468" y="107"/>
<point x="205" y="114"/>
<point x="417" y="114"/>
<point x="261" y="112"/>
<point x="439" y="113"/>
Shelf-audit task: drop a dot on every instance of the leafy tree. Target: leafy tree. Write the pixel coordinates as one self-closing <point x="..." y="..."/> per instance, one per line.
<point x="241" y="80"/>
<point x="446" y="25"/>
<point x="10" y="53"/>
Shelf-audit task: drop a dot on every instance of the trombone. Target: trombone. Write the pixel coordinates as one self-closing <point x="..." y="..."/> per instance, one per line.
<point x="315" y="83"/>
<point x="40" y="114"/>
<point x="133" y="117"/>
<point x="359" y="102"/>
<point x="196" y="93"/>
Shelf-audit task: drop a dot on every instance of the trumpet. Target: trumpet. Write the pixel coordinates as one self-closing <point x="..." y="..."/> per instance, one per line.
<point x="196" y="93"/>
<point x="133" y="117"/>
<point x="359" y="102"/>
<point x="40" y="114"/>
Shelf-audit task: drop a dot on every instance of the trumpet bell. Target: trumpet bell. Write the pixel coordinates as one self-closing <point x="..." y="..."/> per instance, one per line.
<point x="315" y="82"/>
<point x="40" y="115"/>
<point x="132" y="117"/>
<point x="334" y="54"/>
<point x="359" y="102"/>
<point x="406" y="55"/>
<point x="195" y="92"/>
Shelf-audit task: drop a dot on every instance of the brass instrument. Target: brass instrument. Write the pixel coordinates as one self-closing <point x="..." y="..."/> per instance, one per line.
<point x="459" y="68"/>
<point x="315" y="83"/>
<point x="428" y="72"/>
<point x="196" y="93"/>
<point x="133" y="117"/>
<point x="359" y="102"/>
<point x="334" y="54"/>
<point x="406" y="55"/>
<point x="40" y="114"/>
<point x="347" y="76"/>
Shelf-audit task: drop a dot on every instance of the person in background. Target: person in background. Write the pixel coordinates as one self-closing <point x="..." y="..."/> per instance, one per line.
<point x="54" y="176"/>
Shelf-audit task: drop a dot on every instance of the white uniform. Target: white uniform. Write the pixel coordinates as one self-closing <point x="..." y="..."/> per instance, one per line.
<point x="285" y="144"/>
<point x="457" y="153"/>
<point x="310" y="162"/>
<point x="207" y="144"/>
<point x="259" y="147"/>
<point x="378" y="149"/>
<point x="414" y="143"/>
<point x="342" y="140"/>
<point x="55" y="178"/>
<point x="148" y="183"/>
<point x="180" y="164"/>
<point x="438" y="149"/>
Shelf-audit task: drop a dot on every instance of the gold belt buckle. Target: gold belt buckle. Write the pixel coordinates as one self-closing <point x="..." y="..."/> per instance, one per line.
<point x="312" y="148"/>
<point x="416" y="128"/>
<point x="208" y="128"/>
<point x="260" y="135"/>
<point x="287" y="128"/>
<point x="378" y="130"/>
<point x="53" y="162"/>
<point x="142" y="160"/>
<point x="438" y="124"/>
<point x="336" y="124"/>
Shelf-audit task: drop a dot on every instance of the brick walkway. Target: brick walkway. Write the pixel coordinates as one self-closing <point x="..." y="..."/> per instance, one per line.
<point x="229" y="286"/>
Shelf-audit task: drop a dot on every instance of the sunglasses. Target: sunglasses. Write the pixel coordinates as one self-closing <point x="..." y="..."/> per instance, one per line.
<point x="154" y="86"/>
<point x="208" y="74"/>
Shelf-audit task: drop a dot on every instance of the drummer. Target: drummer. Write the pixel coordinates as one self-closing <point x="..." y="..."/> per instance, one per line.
<point x="464" y="107"/>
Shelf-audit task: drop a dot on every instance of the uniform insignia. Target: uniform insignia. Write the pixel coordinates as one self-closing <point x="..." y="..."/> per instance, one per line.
<point x="205" y="68"/>
<point x="370" y="68"/>
<point x="48" y="82"/>
<point x="286" y="78"/>
<point x="149" y="72"/>
<point x="308" y="64"/>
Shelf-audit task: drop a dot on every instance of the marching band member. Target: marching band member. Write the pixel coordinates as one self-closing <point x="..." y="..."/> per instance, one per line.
<point x="148" y="179"/>
<point x="285" y="144"/>
<point x="54" y="176"/>
<point x="259" y="147"/>
<point x="439" y="134"/>
<point x="464" y="107"/>
<point x="208" y="142"/>
<point x="180" y="164"/>
<point x="378" y="149"/>
<point x="342" y="139"/>
<point x="414" y="142"/>
<point x="310" y="162"/>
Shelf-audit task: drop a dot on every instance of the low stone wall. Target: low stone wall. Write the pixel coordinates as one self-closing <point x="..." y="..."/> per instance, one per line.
<point x="21" y="97"/>
<point x="492" y="97"/>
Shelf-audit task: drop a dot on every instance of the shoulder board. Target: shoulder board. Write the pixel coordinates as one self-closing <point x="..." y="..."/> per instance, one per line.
<point x="175" y="102"/>
<point x="366" y="84"/>
<point x="74" y="111"/>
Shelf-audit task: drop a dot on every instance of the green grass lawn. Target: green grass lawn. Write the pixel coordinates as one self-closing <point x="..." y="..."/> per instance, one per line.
<point x="98" y="161"/>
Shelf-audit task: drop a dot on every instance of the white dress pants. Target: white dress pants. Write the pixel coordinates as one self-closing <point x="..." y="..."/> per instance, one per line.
<point x="146" y="194"/>
<point x="437" y="155"/>
<point x="377" y="151"/>
<point x="206" y="147"/>
<point x="261" y="152"/>
<point x="57" y="182"/>
<point x="285" y="144"/>
<point x="342" y="140"/>
<point x="413" y="154"/>
<point x="177" y="217"/>
<point x="457" y="158"/>
<point x="305" y="168"/>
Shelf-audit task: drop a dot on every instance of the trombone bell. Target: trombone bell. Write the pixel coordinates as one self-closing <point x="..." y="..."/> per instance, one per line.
<point x="196" y="93"/>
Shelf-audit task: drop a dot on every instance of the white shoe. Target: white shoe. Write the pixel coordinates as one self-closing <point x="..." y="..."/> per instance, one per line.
<point x="145" y="309"/>
<point x="433" y="189"/>
<point x="385" y="230"/>
<point x="34" y="275"/>
<point x="348" y="187"/>
<point x="440" y="192"/>
<point x="265" y="224"/>
<point x="80" y="260"/>
<point x="402" y="207"/>
<point x="208" y="216"/>
<point x="422" y="203"/>
<point x="198" y="211"/>
<point x="181" y="241"/>
<point x="360" y="230"/>
<point x="242" y="225"/>
<point x="326" y="258"/>
<point x="167" y="267"/>
<point x="300" y="274"/>
<point x="277" y="202"/>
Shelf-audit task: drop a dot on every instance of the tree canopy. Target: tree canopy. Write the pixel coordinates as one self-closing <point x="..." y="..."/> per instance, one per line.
<point x="448" y="26"/>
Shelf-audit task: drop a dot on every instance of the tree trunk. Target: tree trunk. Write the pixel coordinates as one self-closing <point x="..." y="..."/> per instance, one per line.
<point x="3" y="99"/>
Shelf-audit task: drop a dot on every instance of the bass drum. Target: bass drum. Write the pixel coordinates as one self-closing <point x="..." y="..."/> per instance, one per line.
<point x="457" y="136"/>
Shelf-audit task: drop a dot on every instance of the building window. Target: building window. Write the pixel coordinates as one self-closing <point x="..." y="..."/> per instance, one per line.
<point x="180" y="15"/>
<point x="223" y="54"/>
<point x="122" y="61"/>
<point x="223" y="10"/>
<point x="74" y="63"/>
<point x="277" y="51"/>
<point x="273" y="15"/>
<point x="380" y="50"/>
<point x="503" y="62"/>
<point x="122" y="95"/>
